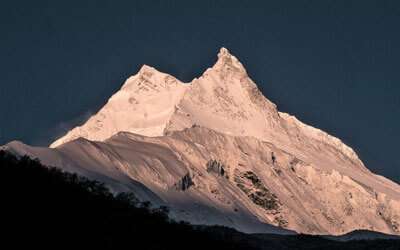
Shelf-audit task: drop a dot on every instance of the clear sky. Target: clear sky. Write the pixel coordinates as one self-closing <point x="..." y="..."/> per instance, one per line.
<point x="333" y="64"/>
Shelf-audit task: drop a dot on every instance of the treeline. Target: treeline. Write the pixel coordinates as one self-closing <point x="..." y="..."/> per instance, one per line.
<point x="44" y="206"/>
<point x="47" y="208"/>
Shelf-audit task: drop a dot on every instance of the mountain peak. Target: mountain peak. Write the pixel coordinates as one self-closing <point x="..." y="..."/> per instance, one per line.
<point x="148" y="71"/>
<point x="228" y="63"/>
<point x="145" y="68"/>
<point x="223" y="52"/>
<point x="224" y="99"/>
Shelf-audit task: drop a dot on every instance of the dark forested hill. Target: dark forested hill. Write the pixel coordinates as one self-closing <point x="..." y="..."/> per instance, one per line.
<point x="45" y="207"/>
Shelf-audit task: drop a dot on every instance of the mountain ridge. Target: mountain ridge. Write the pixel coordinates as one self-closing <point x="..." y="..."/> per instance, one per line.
<point x="217" y="151"/>
<point x="224" y="65"/>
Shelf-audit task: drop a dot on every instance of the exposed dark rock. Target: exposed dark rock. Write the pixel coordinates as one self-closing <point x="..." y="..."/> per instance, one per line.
<point x="295" y="162"/>
<point x="277" y="171"/>
<point x="280" y="221"/>
<point x="216" y="167"/>
<point x="257" y="192"/>
<point x="273" y="158"/>
<point x="184" y="183"/>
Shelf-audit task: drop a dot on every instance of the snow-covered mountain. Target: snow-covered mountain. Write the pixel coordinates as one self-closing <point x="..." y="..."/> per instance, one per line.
<point x="218" y="152"/>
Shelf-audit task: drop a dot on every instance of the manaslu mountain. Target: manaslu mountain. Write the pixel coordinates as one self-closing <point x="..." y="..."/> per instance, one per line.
<point x="216" y="151"/>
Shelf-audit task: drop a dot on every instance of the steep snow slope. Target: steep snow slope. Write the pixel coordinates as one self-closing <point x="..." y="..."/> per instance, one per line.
<point x="208" y="177"/>
<point x="87" y="159"/>
<point x="143" y="105"/>
<point x="225" y="99"/>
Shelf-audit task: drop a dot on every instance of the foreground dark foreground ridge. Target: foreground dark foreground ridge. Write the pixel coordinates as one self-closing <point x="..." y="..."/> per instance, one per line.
<point x="45" y="207"/>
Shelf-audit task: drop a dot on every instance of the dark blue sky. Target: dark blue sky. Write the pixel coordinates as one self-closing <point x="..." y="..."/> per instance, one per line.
<point x="333" y="64"/>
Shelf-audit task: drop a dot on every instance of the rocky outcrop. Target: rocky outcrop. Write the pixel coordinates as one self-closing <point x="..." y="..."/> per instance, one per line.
<point x="259" y="194"/>
<point x="184" y="183"/>
<point x="216" y="167"/>
<point x="253" y="187"/>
